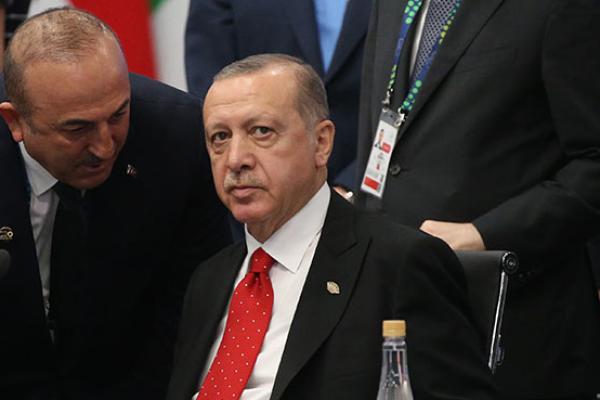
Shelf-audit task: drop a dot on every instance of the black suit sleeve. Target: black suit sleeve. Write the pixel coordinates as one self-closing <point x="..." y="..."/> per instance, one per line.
<point x="445" y="354"/>
<point x="210" y="42"/>
<point x="565" y="208"/>
<point x="594" y="251"/>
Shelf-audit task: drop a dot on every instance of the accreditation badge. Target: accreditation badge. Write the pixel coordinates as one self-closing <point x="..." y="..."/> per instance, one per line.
<point x="373" y="181"/>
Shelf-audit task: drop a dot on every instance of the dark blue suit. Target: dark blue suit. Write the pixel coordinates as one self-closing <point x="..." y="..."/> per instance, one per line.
<point x="146" y="234"/>
<point x="222" y="31"/>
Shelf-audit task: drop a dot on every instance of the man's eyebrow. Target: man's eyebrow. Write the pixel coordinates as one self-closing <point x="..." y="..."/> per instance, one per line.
<point x="262" y="119"/>
<point x="82" y="122"/>
<point x="215" y="125"/>
<point x="254" y="120"/>
<point x="72" y="123"/>
<point x="123" y="106"/>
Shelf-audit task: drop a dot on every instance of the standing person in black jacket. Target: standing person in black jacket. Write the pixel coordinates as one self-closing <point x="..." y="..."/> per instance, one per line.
<point x="500" y="149"/>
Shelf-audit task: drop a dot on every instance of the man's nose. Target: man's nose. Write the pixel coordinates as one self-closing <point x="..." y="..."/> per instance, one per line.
<point x="103" y="143"/>
<point x="240" y="154"/>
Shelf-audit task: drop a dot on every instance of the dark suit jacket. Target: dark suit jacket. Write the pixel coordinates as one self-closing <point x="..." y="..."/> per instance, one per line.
<point x="146" y="235"/>
<point x="222" y="31"/>
<point x="505" y="134"/>
<point x="333" y="351"/>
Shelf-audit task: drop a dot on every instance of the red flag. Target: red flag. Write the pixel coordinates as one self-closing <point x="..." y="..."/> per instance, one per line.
<point x="130" y="19"/>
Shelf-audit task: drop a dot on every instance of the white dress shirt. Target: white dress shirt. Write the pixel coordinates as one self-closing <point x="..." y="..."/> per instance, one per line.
<point x="42" y="210"/>
<point x="293" y="248"/>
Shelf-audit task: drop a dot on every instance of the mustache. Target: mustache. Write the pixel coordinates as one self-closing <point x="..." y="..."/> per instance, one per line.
<point x="233" y="180"/>
<point x="91" y="160"/>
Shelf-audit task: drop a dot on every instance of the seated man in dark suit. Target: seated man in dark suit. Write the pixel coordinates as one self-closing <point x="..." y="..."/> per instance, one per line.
<point x="305" y="321"/>
<point x="106" y="207"/>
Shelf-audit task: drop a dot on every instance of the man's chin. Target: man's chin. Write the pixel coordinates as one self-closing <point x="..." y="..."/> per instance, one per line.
<point x="247" y="215"/>
<point x="91" y="179"/>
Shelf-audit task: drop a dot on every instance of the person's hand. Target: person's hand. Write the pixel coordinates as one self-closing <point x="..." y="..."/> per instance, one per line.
<point x="346" y="194"/>
<point x="459" y="236"/>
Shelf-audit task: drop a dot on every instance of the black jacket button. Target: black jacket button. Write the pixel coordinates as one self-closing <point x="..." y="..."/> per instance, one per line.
<point x="395" y="169"/>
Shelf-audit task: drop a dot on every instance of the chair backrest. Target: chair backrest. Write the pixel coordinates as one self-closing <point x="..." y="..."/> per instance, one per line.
<point x="487" y="275"/>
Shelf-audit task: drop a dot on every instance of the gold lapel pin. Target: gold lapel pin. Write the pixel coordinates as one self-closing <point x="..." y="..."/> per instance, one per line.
<point x="131" y="171"/>
<point x="333" y="288"/>
<point x="6" y="234"/>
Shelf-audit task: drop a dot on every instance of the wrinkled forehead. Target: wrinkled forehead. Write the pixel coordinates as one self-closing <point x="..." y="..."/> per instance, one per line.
<point x="97" y="75"/>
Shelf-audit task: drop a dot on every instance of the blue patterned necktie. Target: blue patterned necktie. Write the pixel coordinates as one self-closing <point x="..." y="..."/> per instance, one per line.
<point x="438" y="15"/>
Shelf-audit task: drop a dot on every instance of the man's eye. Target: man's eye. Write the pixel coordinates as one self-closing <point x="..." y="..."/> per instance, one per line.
<point x="262" y="130"/>
<point x="118" y="116"/>
<point x="219" y="137"/>
<point x="76" y="130"/>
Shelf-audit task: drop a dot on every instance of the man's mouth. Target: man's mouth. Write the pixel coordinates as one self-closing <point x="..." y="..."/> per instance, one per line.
<point x="96" y="167"/>
<point x="242" y="191"/>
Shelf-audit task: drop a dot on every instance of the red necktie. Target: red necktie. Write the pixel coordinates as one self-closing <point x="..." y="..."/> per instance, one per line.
<point x="247" y="322"/>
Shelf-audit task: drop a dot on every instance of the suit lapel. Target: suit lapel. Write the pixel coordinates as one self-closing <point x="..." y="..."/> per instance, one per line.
<point x="301" y="14"/>
<point x="389" y="20"/>
<point x="471" y="17"/>
<point x="15" y="196"/>
<point x="14" y="217"/>
<point x="354" y="29"/>
<point x="338" y="259"/>
<point x="124" y="188"/>
<point x="215" y="292"/>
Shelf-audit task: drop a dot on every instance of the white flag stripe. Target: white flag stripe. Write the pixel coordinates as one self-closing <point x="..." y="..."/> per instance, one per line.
<point x="37" y="6"/>
<point x="169" y="28"/>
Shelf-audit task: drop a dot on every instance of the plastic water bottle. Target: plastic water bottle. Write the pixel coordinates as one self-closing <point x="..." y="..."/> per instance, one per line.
<point x="394" y="383"/>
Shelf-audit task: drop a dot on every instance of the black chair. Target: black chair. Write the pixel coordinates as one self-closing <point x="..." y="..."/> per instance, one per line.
<point x="487" y="275"/>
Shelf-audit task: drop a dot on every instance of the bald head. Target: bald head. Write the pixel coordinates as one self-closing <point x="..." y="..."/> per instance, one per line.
<point x="61" y="35"/>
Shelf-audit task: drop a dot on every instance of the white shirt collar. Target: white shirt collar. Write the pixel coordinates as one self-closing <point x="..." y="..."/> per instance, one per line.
<point x="289" y="243"/>
<point x="39" y="178"/>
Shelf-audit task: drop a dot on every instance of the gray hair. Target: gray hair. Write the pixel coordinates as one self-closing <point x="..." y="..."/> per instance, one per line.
<point x="311" y="96"/>
<point x="62" y="35"/>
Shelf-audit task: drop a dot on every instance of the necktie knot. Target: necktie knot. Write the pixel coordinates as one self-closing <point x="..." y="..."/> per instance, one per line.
<point x="260" y="261"/>
<point x="68" y="195"/>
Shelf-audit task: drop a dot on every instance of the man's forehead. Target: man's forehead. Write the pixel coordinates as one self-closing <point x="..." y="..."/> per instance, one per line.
<point x="261" y="87"/>
<point x="77" y="66"/>
<point x="76" y="102"/>
<point x="87" y="78"/>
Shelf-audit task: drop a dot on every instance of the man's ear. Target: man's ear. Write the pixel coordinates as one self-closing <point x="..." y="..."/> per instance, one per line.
<point x="324" y="134"/>
<point x="13" y="119"/>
